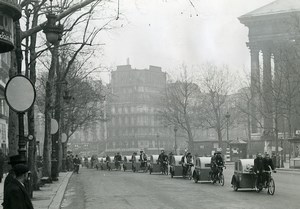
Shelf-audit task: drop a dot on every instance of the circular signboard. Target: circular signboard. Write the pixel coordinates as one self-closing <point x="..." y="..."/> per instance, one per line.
<point x="54" y="126"/>
<point x="63" y="137"/>
<point x="19" y="93"/>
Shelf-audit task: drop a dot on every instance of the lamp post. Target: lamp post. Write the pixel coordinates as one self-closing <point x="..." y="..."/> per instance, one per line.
<point x="157" y="137"/>
<point x="227" y="116"/>
<point x="175" y="144"/>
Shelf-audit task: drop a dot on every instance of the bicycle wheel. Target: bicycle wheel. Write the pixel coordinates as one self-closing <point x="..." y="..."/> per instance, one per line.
<point x="271" y="187"/>
<point x="221" y="180"/>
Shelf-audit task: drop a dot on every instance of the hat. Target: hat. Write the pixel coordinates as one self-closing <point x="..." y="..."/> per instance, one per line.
<point x="20" y="169"/>
<point x="15" y="159"/>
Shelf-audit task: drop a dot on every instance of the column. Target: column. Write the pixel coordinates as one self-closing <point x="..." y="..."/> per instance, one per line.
<point x="267" y="93"/>
<point x="255" y="87"/>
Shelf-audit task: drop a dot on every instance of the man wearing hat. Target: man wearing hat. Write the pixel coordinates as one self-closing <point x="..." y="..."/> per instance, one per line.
<point x="13" y="160"/>
<point x="15" y="194"/>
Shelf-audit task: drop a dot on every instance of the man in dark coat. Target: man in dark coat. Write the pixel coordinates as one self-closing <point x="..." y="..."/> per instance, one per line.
<point x="258" y="168"/>
<point x="15" y="194"/>
<point x="13" y="160"/>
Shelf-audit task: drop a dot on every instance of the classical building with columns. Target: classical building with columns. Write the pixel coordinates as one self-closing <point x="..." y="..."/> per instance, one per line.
<point x="274" y="37"/>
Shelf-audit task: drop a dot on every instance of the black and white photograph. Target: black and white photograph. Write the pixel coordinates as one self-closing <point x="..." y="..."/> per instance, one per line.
<point x="150" y="104"/>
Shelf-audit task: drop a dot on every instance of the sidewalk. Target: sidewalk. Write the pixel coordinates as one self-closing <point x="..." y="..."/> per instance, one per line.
<point x="50" y="196"/>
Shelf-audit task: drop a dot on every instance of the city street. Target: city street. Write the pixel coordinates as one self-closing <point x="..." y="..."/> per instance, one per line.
<point x="92" y="189"/>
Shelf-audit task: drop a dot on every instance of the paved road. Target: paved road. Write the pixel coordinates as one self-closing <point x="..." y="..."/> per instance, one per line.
<point x="92" y="189"/>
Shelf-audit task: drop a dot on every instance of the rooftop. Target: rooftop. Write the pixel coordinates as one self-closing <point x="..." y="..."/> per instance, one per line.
<point x="276" y="7"/>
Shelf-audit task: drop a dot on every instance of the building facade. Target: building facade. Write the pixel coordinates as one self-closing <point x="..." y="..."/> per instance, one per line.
<point x="133" y="111"/>
<point x="274" y="34"/>
<point x="5" y="61"/>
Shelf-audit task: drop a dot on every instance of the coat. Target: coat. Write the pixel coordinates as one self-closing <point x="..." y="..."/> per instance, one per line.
<point x="16" y="196"/>
<point x="258" y="165"/>
<point x="267" y="163"/>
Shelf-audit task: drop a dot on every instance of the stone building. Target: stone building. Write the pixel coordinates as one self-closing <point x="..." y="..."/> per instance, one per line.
<point x="274" y="37"/>
<point x="4" y="109"/>
<point x="133" y="110"/>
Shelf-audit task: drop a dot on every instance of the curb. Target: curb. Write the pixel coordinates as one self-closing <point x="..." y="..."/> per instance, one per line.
<point x="287" y="170"/>
<point x="57" y="199"/>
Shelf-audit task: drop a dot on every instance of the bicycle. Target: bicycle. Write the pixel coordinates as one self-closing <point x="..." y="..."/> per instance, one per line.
<point x="219" y="176"/>
<point x="164" y="167"/>
<point x="268" y="182"/>
<point x="189" y="173"/>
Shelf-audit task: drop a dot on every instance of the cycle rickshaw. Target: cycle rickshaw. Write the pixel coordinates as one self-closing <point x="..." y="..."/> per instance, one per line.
<point x="127" y="165"/>
<point x="176" y="168"/>
<point x="202" y="169"/>
<point x="155" y="166"/>
<point x="244" y="177"/>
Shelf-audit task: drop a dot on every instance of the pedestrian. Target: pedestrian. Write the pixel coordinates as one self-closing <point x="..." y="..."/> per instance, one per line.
<point x="15" y="194"/>
<point x="2" y="158"/>
<point x="13" y="160"/>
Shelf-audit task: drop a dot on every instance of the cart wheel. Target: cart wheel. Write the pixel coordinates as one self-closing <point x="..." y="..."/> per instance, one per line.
<point x="196" y="179"/>
<point x="271" y="187"/>
<point x="221" y="180"/>
<point x="235" y="186"/>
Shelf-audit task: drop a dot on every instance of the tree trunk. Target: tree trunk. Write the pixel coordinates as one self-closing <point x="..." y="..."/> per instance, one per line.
<point x="48" y="115"/>
<point x="47" y="137"/>
<point x="57" y="136"/>
<point x="13" y="117"/>
<point x="31" y="122"/>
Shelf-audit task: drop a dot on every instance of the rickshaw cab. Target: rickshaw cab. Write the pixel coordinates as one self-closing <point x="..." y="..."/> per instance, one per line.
<point x="127" y="163"/>
<point x="243" y="176"/>
<point x="175" y="166"/>
<point x="202" y="169"/>
<point x="135" y="165"/>
<point x="100" y="163"/>
<point x="112" y="163"/>
<point x="154" y="167"/>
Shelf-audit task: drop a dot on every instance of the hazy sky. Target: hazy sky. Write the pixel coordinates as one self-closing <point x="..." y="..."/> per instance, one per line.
<point x="168" y="33"/>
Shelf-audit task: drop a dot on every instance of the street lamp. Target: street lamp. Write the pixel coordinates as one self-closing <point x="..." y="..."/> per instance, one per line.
<point x="227" y="116"/>
<point x="53" y="34"/>
<point x="157" y="137"/>
<point x="175" y="144"/>
<point x="52" y="30"/>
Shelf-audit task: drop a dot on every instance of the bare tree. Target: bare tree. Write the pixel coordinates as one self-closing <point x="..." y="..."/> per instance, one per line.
<point x="179" y="103"/>
<point x="215" y="88"/>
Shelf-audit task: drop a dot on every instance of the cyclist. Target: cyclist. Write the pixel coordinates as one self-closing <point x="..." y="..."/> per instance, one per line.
<point x="219" y="163"/>
<point x="267" y="166"/>
<point x="107" y="159"/>
<point x="143" y="160"/>
<point x="133" y="161"/>
<point x="213" y="166"/>
<point x="163" y="161"/>
<point x="186" y="163"/>
<point x="117" y="159"/>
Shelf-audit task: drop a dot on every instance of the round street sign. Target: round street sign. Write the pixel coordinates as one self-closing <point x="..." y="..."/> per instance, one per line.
<point x="19" y="93"/>
<point x="63" y="137"/>
<point x="54" y="126"/>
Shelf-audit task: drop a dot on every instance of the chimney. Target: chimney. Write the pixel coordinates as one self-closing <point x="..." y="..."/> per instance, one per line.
<point x="128" y="62"/>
